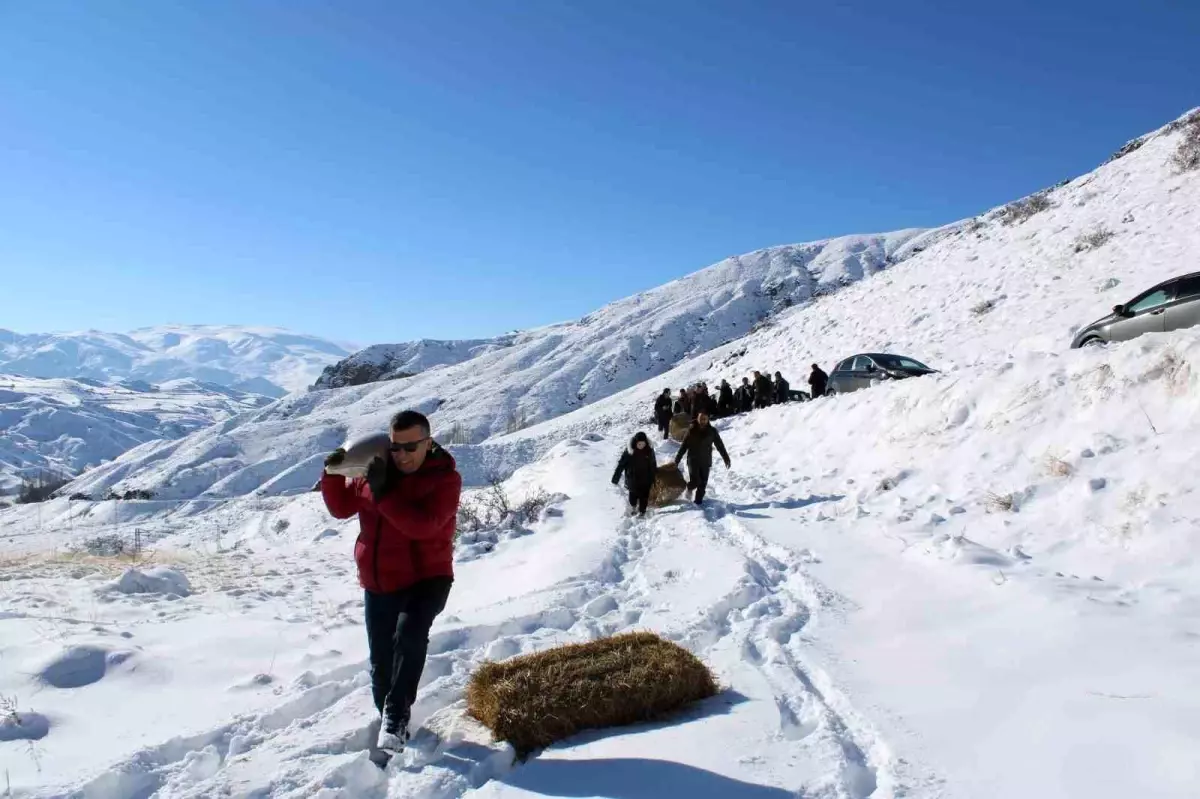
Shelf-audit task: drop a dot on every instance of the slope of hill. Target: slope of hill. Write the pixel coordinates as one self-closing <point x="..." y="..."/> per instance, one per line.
<point x="258" y="360"/>
<point x="643" y="335"/>
<point x="64" y="426"/>
<point x="980" y="583"/>
<point x="518" y="380"/>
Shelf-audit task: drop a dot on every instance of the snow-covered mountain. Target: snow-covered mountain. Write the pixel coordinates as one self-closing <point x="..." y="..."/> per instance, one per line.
<point x="63" y="426"/>
<point x="518" y="380"/>
<point x="569" y="365"/>
<point x="258" y="360"/>
<point x="979" y="583"/>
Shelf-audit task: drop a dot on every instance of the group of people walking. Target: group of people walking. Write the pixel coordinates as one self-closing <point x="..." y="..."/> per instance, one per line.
<point x="639" y="465"/>
<point x="759" y="391"/>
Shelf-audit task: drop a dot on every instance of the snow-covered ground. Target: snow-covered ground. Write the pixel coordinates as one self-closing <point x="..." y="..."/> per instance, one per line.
<point x="977" y="584"/>
<point x="63" y="426"/>
<point x="258" y="360"/>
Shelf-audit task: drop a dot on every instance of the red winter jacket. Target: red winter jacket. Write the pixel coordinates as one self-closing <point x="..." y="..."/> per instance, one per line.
<point x="409" y="535"/>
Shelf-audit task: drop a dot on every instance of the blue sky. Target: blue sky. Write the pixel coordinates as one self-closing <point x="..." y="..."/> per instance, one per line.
<point x="380" y="171"/>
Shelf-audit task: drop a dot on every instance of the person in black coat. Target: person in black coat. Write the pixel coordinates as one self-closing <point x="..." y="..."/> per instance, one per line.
<point x="818" y="381"/>
<point x="698" y="446"/>
<point x="640" y="467"/>
<point x="745" y="396"/>
<point x="684" y="403"/>
<point x="764" y="392"/>
<point x="662" y="412"/>
<point x="782" y="389"/>
<point x="725" y="402"/>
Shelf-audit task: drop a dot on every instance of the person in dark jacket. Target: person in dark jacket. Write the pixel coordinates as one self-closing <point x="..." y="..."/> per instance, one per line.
<point x="763" y="391"/>
<point x="782" y="389"/>
<point x="725" y="406"/>
<point x="407" y="507"/>
<point x="662" y="412"/>
<point x="640" y="468"/>
<point x="818" y="381"/>
<point x="745" y="398"/>
<point x="684" y="403"/>
<point x="698" y="446"/>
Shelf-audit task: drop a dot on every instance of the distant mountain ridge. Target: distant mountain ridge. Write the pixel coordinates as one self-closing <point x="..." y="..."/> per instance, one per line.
<point x="62" y="426"/>
<point x="259" y="360"/>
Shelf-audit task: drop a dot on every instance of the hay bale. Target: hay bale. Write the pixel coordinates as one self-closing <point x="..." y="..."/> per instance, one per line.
<point x="668" y="485"/>
<point x="532" y="701"/>
<point x="680" y="423"/>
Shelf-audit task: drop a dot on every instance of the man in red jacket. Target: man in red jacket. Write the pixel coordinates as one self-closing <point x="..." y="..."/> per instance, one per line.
<point x="407" y="506"/>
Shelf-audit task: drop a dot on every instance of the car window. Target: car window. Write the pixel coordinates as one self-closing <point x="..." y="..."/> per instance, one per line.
<point x="899" y="362"/>
<point x="844" y="366"/>
<point x="1151" y="300"/>
<point x="1188" y="288"/>
<point x="861" y="363"/>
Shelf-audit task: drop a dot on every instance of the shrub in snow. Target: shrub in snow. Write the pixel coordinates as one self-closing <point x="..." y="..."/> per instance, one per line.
<point x="1005" y="503"/>
<point x="153" y="580"/>
<point x="40" y="487"/>
<point x="534" y="700"/>
<point x="1110" y="283"/>
<point x="981" y="308"/>
<point x="280" y="526"/>
<point x="1021" y="210"/>
<point x="493" y="507"/>
<point x="1093" y="240"/>
<point x="106" y="546"/>
<point x="1056" y="466"/>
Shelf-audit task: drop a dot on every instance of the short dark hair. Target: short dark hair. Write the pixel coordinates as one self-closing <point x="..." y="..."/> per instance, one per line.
<point x="406" y="420"/>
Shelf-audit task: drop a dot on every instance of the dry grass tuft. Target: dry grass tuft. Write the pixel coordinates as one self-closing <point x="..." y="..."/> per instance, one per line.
<point x="1000" y="503"/>
<point x="668" y="485"/>
<point x="534" y="700"/>
<point x="1056" y="466"/>
<point x="1017" y="212"/>
<point x="1093" y="239"/>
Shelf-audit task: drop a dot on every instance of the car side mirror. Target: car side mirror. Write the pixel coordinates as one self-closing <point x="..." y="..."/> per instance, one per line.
<point x="1119" y="310"/>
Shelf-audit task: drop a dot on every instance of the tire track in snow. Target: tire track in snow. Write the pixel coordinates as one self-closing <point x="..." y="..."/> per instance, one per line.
<point x="767" y="630"/>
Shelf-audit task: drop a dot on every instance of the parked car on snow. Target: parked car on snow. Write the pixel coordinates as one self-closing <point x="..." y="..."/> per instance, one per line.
<point x="863" y="371"/>
<point x="1171" y="305"/>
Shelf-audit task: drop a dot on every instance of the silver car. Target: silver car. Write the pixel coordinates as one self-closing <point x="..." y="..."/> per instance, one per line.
<point x="867" y="369"/>
<point x="1171" y="305"/>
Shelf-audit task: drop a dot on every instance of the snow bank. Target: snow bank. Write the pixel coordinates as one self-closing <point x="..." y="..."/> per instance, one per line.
<point x="153" y="580"/>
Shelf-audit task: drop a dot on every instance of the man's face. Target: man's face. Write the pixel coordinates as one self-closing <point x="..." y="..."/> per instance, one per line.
<point x="403" y="440"/>
<point x="702" y="419"/>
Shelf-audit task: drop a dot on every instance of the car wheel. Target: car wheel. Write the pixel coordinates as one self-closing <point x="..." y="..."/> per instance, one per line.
<point x="1095" y="341"/>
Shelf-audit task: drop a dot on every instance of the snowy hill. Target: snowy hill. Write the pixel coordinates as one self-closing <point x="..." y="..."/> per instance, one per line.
<point x="64" y="426"/>
<point x="571" y="364"/>
<point x="518" y="380"/>
<point x="257" y="360"/>
<point x="976" y="584"/>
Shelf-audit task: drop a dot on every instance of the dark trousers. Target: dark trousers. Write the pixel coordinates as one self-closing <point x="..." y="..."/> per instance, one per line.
<point x="639" y="498"/>
<point x="398" y="639"/>
<point x="698" y="478"/>
<point x="664" y="425"/>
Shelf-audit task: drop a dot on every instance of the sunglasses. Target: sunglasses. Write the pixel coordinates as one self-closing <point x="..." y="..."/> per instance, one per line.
<point x="408" y="446"/>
